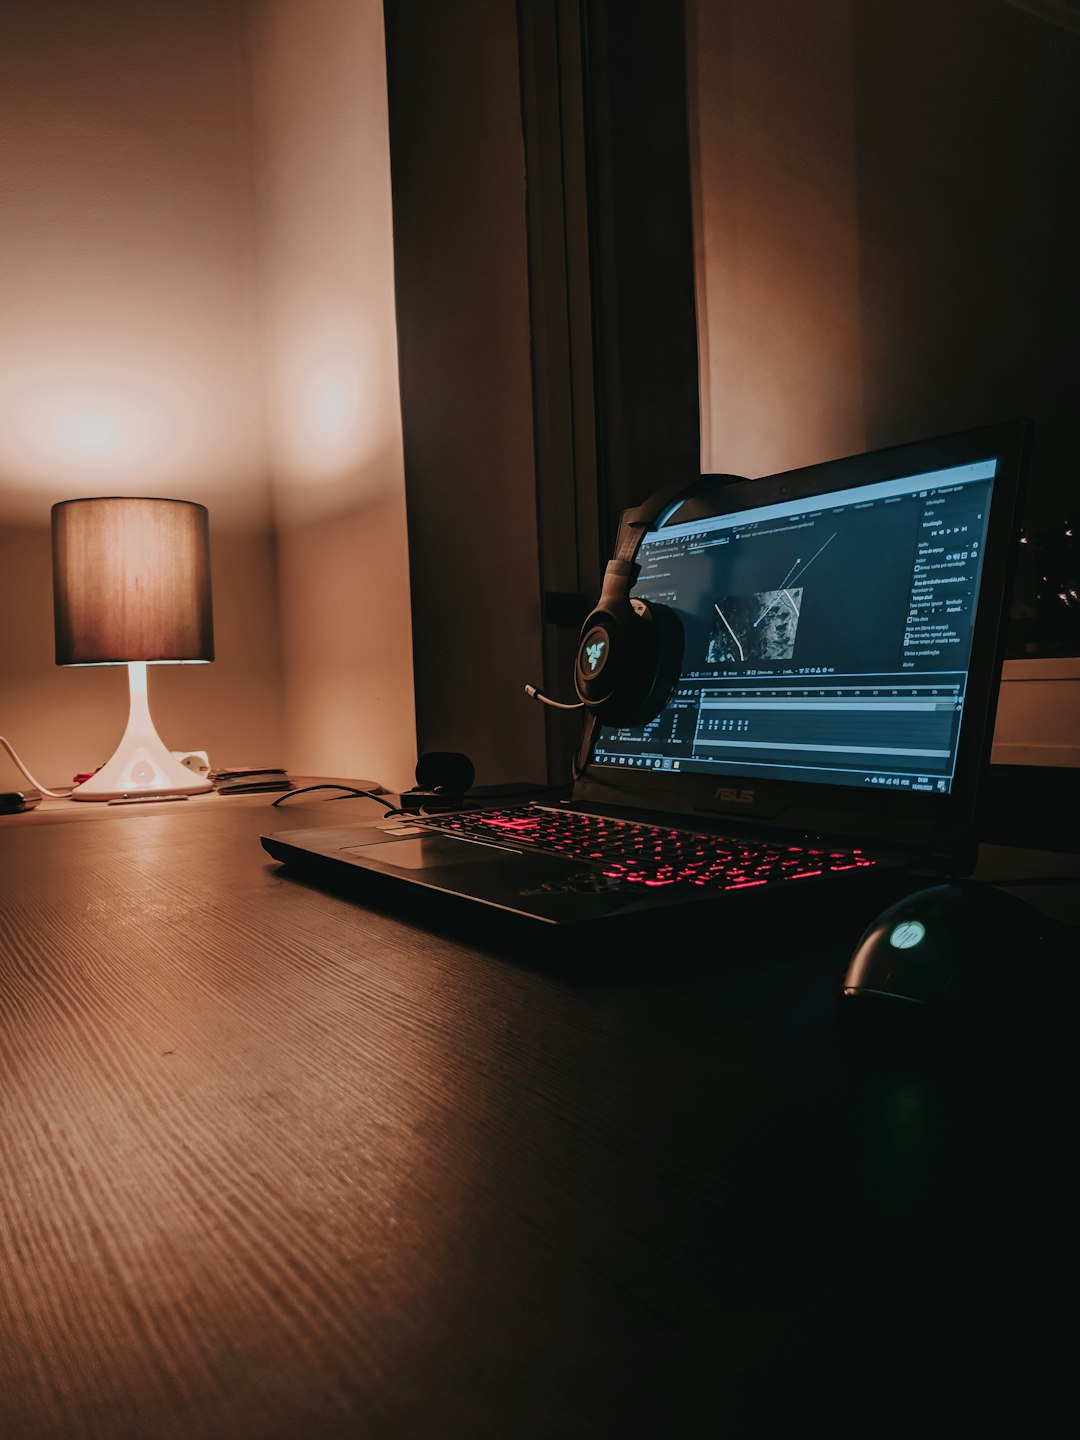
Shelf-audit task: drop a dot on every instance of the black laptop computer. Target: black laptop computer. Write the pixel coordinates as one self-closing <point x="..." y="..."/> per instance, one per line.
<point x="842" y="628"/>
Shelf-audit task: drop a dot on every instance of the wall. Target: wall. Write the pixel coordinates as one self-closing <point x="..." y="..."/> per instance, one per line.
<point x="197" y="288"/>
<point x="333" y="409"/>
<point x="966" y="116"/>
<point x="128" y="355"/>
<point x="885" y="195"/>
<point x="1038" y="718"/>
<point x="777" y="233"/>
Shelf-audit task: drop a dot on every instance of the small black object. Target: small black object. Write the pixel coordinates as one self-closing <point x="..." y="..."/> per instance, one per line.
<point x="442" y="778"/>
<point x="959" y="960"/>
<point x="14" y="802"/>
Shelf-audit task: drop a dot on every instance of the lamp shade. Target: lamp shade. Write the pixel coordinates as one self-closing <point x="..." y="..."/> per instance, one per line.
<point x="131" y="581"/>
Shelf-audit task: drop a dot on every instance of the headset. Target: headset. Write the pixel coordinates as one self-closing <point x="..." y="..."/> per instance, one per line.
<point x="630" y="650"/>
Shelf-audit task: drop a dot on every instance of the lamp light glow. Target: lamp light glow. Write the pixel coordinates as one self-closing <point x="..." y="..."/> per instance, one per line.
<point x="131" y="586"/>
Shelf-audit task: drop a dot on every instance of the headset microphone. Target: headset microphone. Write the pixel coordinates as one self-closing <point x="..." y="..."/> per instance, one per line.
<point x="630" y="650"/>
<point x="534" y="694"/>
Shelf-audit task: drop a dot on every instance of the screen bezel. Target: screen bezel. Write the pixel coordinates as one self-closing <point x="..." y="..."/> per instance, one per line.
<point x="910" y="817"/>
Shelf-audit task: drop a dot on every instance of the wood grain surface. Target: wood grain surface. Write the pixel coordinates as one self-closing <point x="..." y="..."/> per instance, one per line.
<point x="277" y="1163"/>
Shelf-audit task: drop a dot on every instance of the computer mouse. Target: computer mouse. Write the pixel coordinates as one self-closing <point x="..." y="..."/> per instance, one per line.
<point x="962" y="955"/>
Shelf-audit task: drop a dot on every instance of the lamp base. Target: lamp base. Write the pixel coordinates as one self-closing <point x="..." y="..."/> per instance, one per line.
<point x="141" y="768"/>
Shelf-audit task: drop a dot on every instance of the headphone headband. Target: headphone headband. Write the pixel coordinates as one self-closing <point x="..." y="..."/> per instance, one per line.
<point x="635" y="522"/>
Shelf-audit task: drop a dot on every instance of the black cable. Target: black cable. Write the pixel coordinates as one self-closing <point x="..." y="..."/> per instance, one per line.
<point x="348" y="789"/>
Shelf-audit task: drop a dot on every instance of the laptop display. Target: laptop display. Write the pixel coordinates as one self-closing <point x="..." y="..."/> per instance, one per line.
<point x="826" y="638"/>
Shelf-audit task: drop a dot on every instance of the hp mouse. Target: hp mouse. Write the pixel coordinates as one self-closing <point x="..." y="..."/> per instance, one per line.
<point x="952" y="956"/>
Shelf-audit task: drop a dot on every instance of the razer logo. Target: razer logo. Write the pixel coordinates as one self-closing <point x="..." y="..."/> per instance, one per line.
<point x="593" y="653"/>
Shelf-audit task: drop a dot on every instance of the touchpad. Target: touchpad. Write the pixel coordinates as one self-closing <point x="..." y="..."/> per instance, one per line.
<point x="424" y="852"/>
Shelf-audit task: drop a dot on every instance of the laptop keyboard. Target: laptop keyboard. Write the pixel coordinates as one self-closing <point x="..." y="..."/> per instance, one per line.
<point x="650" y="854"/>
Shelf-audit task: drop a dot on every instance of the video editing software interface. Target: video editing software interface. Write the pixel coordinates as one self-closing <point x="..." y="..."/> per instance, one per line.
<point x="826" y="638"/>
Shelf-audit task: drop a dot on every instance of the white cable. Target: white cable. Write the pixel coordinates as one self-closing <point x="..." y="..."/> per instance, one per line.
<point x="534" y="694"/>
<point x="53" y="794"/>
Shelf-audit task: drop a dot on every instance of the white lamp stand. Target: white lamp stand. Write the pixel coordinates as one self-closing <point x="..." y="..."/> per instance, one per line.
<point x="140" y="767"/>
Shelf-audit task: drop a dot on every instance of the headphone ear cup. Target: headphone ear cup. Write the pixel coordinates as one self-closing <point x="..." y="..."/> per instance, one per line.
<point x="665" y="666"/>
<point x="600" y="660"/>
<point x="645" y="662"/>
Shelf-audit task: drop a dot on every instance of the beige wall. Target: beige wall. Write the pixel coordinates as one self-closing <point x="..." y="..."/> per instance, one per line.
<point x="128" y="358"/>
<point x="885" y="241"/>
<point x="145" y="222"/>
<point x="1038" y="718"/>
<point x="333" y="408"/>
<point x="776" y="232"/>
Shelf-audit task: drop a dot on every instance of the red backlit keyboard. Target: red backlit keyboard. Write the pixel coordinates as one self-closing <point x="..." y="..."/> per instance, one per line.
<point x="650" y="854"/>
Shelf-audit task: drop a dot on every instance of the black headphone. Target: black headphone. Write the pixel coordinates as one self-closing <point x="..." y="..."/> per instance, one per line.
<point x="630" y="651"/>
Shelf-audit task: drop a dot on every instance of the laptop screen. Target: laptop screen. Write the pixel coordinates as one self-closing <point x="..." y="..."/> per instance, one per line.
<point x="827" y="638"/>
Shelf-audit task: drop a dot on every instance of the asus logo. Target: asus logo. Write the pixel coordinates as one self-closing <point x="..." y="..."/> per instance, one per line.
<point x="733" y="796"/>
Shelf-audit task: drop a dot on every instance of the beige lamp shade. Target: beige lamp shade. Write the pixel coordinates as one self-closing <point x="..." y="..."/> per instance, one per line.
<point x="131" y="581"/>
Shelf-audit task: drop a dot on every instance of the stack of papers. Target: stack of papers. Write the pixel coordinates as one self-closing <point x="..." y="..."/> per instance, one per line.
<point x="239" y="779"/>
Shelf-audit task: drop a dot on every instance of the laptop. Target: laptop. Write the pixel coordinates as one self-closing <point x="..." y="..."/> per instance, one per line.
<point x="843" y="629"/>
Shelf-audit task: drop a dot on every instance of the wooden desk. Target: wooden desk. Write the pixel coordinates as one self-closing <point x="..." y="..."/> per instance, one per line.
<point x="277" y="1164"/>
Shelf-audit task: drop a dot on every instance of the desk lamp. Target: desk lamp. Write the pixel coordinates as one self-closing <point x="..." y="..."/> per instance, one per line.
<point x="131" y="586"/>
